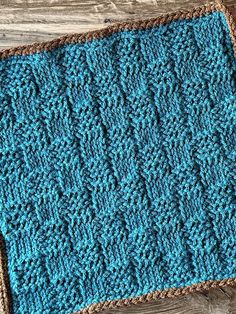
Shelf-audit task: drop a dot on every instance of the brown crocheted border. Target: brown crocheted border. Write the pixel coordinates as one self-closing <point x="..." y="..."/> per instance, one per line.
<point x="128" y="25"/>
<point x="157" y="295"/>
<point x="5" y="298"/>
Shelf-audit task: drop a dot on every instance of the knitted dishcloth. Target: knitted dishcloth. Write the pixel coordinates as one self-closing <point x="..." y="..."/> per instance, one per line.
<point x="118" y="164"/>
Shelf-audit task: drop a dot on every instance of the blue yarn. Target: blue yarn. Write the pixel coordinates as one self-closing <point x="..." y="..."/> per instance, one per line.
<point x="117" y="165"/>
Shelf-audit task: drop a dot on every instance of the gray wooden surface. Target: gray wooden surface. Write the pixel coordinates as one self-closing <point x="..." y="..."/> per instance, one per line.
<point x="28" y="21"/>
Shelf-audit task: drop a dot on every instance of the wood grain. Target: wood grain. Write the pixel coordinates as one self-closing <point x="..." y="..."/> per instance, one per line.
<point x="28" y="21"/>
<point x="216" y="301"/>
<point x="25" y="22"/>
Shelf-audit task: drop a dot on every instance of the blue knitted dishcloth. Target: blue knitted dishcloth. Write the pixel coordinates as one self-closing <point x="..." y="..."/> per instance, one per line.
<point x="118" y="165"/>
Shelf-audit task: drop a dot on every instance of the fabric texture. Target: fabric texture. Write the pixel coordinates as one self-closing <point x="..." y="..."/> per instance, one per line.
<point x="118" y="165"/>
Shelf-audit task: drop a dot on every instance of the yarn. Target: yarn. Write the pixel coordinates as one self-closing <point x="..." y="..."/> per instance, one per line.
<point x="118" y="165"/>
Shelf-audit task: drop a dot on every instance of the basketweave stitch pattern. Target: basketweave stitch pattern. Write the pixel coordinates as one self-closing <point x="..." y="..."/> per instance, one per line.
<point x="117" y="165"/>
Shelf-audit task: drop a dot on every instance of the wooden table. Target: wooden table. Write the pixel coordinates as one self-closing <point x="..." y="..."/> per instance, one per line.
<point x="27" y="21"/>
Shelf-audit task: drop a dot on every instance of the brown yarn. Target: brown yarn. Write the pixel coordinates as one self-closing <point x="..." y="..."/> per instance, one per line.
<point x="129" y="25"/>
<point x="156" y="295"/>
<point x="230" y="22"/>
<point x="80" y="38"/>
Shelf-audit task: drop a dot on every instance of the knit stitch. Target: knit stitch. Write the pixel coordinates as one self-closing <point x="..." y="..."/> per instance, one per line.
<point x="117" y="165"/>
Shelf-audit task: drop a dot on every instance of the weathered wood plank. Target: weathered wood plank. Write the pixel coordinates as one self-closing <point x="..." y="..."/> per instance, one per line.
<point x="215" y="301"/>
<point x="25" y="22"/>
<point x="28" y="21"/>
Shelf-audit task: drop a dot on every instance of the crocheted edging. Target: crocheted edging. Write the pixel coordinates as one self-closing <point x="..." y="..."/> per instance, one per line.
<point x="4" y="283"/>
<point x="157" y="295"/>
<point x="125" y="26"/>
<point x="88" y="36"/>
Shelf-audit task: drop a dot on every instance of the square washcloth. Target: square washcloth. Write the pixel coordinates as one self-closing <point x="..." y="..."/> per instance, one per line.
<point x="118" y="164"/>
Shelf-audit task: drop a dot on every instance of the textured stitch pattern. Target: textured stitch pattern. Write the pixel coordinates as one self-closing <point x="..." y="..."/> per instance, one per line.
<point x="117" y="165"/>
<point x="129" y="25"/>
